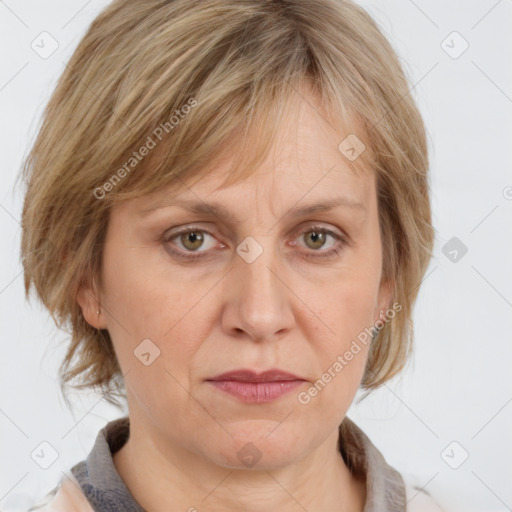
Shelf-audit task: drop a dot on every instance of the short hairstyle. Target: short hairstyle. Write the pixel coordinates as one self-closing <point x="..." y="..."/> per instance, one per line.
<point x="185" y="79"/>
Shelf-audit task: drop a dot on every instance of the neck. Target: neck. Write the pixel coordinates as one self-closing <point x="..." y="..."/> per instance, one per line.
<point x="176" y="479"/>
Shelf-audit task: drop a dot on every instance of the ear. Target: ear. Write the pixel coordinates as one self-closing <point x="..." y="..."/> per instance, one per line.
<point x="384" y="299"/>
<point x="88" y="300"/>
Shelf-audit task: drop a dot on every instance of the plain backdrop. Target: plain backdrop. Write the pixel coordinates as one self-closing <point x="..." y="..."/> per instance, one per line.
<point x="447" y="419"/>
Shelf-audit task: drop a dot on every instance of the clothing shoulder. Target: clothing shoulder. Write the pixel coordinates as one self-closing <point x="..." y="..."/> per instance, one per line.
<point x="418" y="499"/>
<point x="66" y="497"/>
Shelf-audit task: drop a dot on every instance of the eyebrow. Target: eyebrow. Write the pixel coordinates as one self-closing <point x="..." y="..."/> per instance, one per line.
<point x="220" y="211"/>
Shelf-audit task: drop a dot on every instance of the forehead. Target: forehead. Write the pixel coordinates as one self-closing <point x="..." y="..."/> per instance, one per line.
<point x="306" y="163"/>
<point x="296" y="190"/>
<point x="255" y="199"/>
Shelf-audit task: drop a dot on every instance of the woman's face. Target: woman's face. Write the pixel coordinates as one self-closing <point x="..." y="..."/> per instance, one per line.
<point x="261" y="284"/>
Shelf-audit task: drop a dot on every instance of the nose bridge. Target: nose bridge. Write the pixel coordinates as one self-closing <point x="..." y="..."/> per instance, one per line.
<point x="260" y="299"/>
<point x="258" y="259"/>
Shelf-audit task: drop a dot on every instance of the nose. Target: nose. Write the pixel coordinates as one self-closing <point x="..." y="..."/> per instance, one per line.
<point x="258" y="302"/>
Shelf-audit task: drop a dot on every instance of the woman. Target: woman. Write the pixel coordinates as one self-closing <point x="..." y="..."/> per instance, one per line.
<point x="228" y="201"/>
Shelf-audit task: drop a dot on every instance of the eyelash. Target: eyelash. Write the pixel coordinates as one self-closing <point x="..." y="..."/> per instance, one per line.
<point x="200" y="254"/>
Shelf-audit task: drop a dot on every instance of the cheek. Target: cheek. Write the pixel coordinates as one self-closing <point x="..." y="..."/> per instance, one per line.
<point x="145" y="302"/>
<point x="355" y="309"/>
<point x="341" y="329"/>
<point x="358" y="288"/>
<point x="347" y="303"/>
<point x="135" y="293"/>
<point x="342" y="352"/>
<point x="154" y="329"/>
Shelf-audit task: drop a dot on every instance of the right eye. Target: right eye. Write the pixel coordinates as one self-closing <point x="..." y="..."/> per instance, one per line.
<point x="189" y="241"/>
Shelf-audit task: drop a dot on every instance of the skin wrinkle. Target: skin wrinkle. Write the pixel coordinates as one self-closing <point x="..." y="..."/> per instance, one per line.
<point x="177" y="454"/>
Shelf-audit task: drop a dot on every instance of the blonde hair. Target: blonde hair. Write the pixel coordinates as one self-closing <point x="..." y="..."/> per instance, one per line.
<point x="235" y="63"/>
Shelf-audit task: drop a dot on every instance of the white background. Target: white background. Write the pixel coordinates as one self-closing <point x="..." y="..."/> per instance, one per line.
<point x="458" y="386"/>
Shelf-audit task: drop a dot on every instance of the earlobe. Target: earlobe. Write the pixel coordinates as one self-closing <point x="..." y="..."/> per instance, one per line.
<point x="90" y="306"/>
<point x="384" y="300"/>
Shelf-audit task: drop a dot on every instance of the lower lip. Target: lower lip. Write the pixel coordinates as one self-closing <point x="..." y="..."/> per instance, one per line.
<point x="256" y="392"/>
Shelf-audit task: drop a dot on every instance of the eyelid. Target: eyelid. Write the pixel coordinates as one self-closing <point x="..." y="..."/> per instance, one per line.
<point x="187" y="229"/>
<point x="329" y="229"/>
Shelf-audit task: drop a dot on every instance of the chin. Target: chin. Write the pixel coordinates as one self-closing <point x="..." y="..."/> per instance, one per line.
<point x="261" y="451"/>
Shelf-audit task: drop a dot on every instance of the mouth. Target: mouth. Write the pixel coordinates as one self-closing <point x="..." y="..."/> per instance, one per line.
<point x="251" y="387"/>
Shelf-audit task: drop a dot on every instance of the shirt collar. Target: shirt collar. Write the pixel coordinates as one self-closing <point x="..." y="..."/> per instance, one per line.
<point x="385" y="487"/>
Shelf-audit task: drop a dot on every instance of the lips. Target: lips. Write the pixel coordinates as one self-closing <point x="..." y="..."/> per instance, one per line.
<point x="274" y="375"/>
<point x="256" y="388"/>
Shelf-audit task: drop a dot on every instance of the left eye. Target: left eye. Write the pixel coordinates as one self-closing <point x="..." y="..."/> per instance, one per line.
<point x="192" y="240"/>
<point x="318" y="237"/>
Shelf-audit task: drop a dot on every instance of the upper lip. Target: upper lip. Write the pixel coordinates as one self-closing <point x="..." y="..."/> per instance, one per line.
<point x="252" y="376"/>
